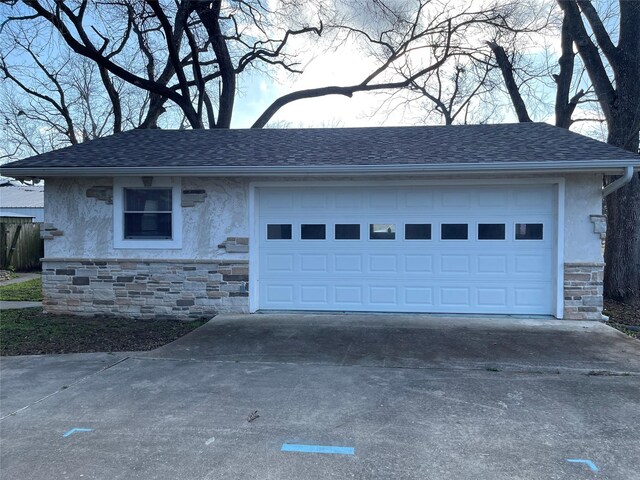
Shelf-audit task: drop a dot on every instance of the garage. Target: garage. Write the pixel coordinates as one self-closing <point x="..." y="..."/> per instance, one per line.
<point x="436" y="248"/>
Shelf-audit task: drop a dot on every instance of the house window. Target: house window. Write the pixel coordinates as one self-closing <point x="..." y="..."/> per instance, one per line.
<point x="147" y="213"/>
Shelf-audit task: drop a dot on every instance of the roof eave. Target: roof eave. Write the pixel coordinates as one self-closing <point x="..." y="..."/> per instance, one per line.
<point x="311" y="170"/>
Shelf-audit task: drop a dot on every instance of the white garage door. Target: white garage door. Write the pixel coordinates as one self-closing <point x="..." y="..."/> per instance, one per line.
<point x="457" y="249"/>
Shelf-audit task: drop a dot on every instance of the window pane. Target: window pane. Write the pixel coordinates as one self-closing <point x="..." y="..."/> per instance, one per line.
<point x="528" y="231"/>
<point x="382" y="231"/>
<point x="417" y="231"/>
<point x="279" y="232"/>
<point x="454" y="231"/>
<point x="150" y="226"/>
<point x="147" y="199"/>
<point x="491" y="231"/>
<point x="312" y="232"/>
<point x="348" y="231"/>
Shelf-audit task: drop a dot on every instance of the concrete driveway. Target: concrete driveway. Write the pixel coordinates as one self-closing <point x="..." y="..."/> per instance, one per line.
<point x="329" y="396"/>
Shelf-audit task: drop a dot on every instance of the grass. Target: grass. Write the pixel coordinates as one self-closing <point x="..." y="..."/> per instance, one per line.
<point x="31" y="332"/>
<point x="29" y="291"/>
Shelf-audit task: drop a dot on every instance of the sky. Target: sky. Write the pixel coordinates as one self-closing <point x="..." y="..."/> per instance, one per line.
<point x="321" y="67"/>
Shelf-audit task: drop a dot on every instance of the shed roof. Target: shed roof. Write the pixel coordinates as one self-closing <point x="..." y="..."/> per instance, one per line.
<point x="191" y="151"/>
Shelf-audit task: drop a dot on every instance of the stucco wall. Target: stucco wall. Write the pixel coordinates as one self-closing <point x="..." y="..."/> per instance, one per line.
<point x="583" y="197"/>
<point x="87" y="223"/>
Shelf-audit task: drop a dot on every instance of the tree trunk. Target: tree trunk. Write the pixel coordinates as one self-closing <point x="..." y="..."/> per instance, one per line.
<point x="622" y="248"/>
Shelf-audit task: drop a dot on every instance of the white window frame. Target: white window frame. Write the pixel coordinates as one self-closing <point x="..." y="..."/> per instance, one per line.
<point x="119" y="184"/>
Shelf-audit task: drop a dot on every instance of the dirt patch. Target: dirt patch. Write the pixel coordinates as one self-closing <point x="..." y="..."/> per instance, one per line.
<point x="623" y="316"/>
<point x="32" y="332"/>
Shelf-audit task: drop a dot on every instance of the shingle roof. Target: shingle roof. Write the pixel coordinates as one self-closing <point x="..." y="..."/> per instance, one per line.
<point x="21" y="196"/>
<point x="425" y="145"/>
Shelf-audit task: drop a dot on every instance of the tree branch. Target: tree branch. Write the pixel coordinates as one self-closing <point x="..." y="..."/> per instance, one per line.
<point x="506" y="67"/>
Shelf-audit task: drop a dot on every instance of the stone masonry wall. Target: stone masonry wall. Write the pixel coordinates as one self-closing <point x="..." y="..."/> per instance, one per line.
<point x="145" y="288"/>
<point x="583" y="291"/>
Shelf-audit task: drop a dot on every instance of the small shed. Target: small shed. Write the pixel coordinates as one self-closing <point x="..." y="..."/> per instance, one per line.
<point x="20" y="200"/>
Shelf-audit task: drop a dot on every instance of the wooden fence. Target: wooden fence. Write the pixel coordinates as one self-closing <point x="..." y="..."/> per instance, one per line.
<point x="21" y="247"/>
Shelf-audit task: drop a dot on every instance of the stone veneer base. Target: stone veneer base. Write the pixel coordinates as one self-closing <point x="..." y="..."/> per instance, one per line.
<point x="583" y="291"/>
<point x="187" y="289"/>
<point x="134" y="288"/>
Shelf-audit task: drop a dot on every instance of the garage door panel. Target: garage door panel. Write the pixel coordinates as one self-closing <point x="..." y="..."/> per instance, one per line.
<point x="282" y="294"/>
<point x="491" y="297"/>
<point x="492" y="198"/>
<point x="527" y="297"/>
<point x="278" y="200"/>
<point x="314" y="294"/>
<point x="383" y="295"/>
<point x="348" y="200"/>
<point x="348" y="263"/>
<point x="418" y="264"/>
<point x="418" y="198"/>
<point x="383" y="263"/>
<point x="532" y="198"/>
<point x="492" y="264"/>
<point x="383" y="200"/>
<point x="350" y="295"/>
<point x="406" y="275"/>
<point x="458" y="264"/>
<point x="279" y="262"/>
<point x="314" y="201"/>
<point x="313" y="263"/>
<point x="455" y="297"/>
<point x="530" y="264"/>
<point x="419" y="296"/>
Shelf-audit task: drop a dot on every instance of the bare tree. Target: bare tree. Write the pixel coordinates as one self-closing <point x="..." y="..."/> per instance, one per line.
<point x="605" y="36"/>
<point x="424" y="47"/>
<point x="614" y="70"/>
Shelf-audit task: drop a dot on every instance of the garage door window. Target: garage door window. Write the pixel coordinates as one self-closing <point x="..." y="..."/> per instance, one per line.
<point x="382" y="231"/>
<point x="491" y="231"/>
<point x="529" y="231"/>
<point x="347" y="231"/>
<point x="279" y="231"/>
<point x="454" y="231"/>
<point x="417" y="231"/>
<point x="313" y="232"/>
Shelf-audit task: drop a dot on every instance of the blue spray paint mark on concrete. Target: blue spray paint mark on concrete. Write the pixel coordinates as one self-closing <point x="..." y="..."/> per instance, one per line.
<point x="293" y="447"/>
<point x="589" y="463"/>
<point x="74" y="430"/>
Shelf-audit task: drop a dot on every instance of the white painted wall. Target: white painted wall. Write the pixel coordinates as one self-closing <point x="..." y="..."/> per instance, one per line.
<point x="87" y="223"/>
<point x="583" y="197"/>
